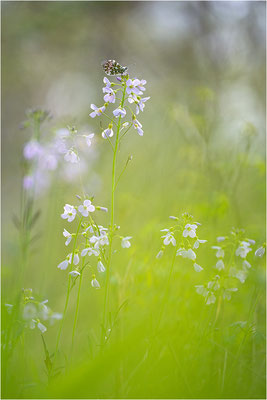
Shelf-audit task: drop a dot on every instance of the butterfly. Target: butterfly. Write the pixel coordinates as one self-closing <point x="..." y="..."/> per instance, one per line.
<point x="112" y="67"/>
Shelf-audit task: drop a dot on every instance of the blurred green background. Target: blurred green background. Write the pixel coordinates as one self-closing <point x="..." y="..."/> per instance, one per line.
<point x="203" y="152"/>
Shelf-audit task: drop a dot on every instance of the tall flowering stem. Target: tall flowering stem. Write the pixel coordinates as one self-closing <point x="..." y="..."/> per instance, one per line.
<point x="96" y="240"/>
<point x="111" y="218"/>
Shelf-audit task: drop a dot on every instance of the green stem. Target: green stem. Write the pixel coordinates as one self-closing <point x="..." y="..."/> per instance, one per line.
<point x="68" y="294"/>
<point x="111" y="220"/>
<point x="76" y="311"/>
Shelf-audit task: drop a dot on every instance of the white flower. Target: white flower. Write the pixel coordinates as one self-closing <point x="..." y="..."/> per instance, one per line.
<point x="160" y="254"/>
<point x="260" y="251"/>
<point x="74" y="273"/>
<point x="197" y="267"/>
<point x="138" y="126"/>
<point x="99" y="240"/>
<point x="220" y="251"/>
<point x="119" y="111"/>
<point x="68" y="236"/>
<point x="32" y="150"/>
<point x="125" y="242"/>
<point x="86" y="208"/>
<point x="219" y="265"/>
<point x="200" y="289"/>
<point x="243" y="249"/>
<point x="72" y="157"/>
<point x="186" y="253"/>
<point x="100" y="267"/>
<point x="210" y="299"/>
<point x="69" y="213"/>
<point x="89" y="251"/>
<point x="73" y="260"/>
<point x="220" y="238"/>
<point x="95" y="283"/>
<point x="89" y="138"/>
<point x="42" y="328"/>
<point x="29" y="311"/>
<point x="190" y="230"/>
<point x="63" y="265"/>
<point x="107" y="133"/>
<point x="169" y="238"/>
<point x="105" y="209"/>
<point x="132" y="86"/>
<point x="191" y="254"/>
<point x="197" y="242"/>
<point x="141" y="104"/>
<point x="109" y="96"/>
<point x="97" y="111"/>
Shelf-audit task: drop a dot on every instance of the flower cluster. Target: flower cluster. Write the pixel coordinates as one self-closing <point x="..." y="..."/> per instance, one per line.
<point x="231" y="264"/>
<point x="183" y="235"/>
<point x="131" y="90"/>
<point x="93" y="240"/>
<point x="34" y="311"/>
<point x="43" y="154"/>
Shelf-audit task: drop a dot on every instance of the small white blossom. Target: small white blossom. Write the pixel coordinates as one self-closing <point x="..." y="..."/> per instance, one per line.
<point x="197" y="267"/>
<point x="89" y="138"/>
<point x="95" y="284"/>
<point x="42" y="328"/>
<point x="86" y="207"/>
<point x="260" y="251"/>
<point x="219" y="265"/>
<point x="97" y="111"/>
<point x="125" y="242"/>
<point x="68" y="236"/>
<point x="190" y="230"/>
<point x="211" y="299"/>
<point x="132" y="86"/>
<point x="138" y="126"/>
<point x="243" y="249"/>
<point x="63" y="265"/>
<point x="32" y="150"/>
<point x="160" y="254"/>
<point x="200" y="289"/>
<point x="100" y="267"/>
<point x="75" y="258"/>
<point x="169" y="238"/>
<point x="219" y="252"/>
<point x="69" y="213"/>
<point x="119" y="111"/>
<point x="99" y="240"/>
<point x="125" y="124"/>
<point x="197" y="242"/>
<point x="107" y="133"/>
<point x="74" y="273"/>
<point x="72" y="157"/>
<point x="186" y="253"/>
<point x="141" y="104"/>
<point x="220" y="238"/>
<point x="89" y="251"/>
<point x="103" y="209"/>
